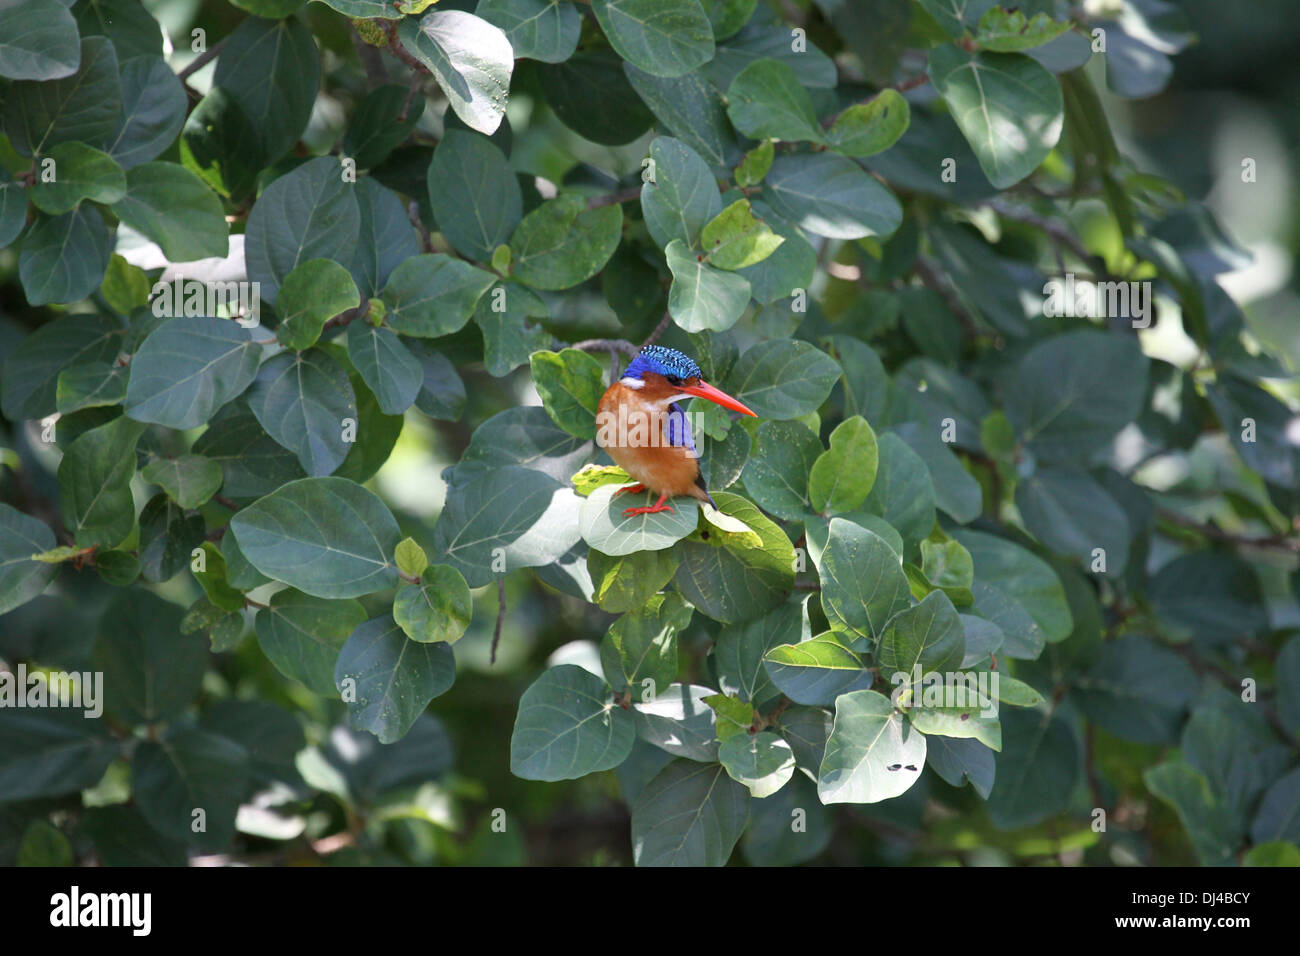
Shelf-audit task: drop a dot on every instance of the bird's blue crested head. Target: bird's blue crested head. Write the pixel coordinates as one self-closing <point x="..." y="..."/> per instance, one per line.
<point x="667" y="362"/>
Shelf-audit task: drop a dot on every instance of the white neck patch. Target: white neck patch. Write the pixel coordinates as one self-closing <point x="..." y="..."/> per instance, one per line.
<point x="631" y="382"/>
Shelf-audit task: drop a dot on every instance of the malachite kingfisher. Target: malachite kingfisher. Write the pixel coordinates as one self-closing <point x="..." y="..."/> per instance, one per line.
<point x="645" y="431"/>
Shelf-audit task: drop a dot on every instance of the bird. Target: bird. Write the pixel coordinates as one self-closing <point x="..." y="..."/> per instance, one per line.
<point x="644" y="429"/>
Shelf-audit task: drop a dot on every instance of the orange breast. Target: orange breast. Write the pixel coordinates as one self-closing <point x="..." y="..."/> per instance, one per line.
<point x="632" y="434"/>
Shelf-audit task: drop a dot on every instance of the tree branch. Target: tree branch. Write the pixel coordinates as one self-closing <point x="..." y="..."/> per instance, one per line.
<point x="501" y="617"/>
<point x="1272" y="542"/>
<point x="202" y="60"/>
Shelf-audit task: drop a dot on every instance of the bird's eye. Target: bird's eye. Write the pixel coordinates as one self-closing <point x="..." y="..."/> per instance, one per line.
<point x="673" y="380"/>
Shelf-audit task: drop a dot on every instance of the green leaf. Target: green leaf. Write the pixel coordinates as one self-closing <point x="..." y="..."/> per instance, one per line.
<point x="663" y="37"/>
<point x="570" y="385"/>
<point x="903" y="493"/>
<point x="735" y="239"/>
<point x="188" y="368"/>
<point x="626" y="582"/>
<point x="959" y="760"/>
<point x="308" y="213"/>
<point x="816" y="671"/>
<point x="863" y="585"/>
<point x="842" y="477"/>
<point x="168" y="537"/>
<point x="591" y="95"/>
<point x="642" y="646"/>
<point x="438" y="608"/>
<point x="189" y="480"/>
<point x="508" y="337"/>
<point x="442" y="393"/>
<point x="1023" y="578"/>
<point x="1074" y="392"/>
<point x="40" y="42"/>
<point x="763" y="762"/>
<point x="568" y="726"/>
<point x="865" y="129"/>
<point x="313" y="293"/>
<point x="433" y="295"/>
<point x="63" y="258"/>
<point x="590" y="477"/>
<point x="703" y="297"/>
<point x="125" y="286"/>
<point x="681" y="197"/>
<point x="545" y="30"/>
<point x="473" y="193"/>
<point x="328" y="537"/>
<point x="21" y="578"/>
<point x="470" y="58"/>
<point x="775" y="42"/>
<point x="739" y="651"/>
<point x="387" y="680"/>
<point x="252" y="462"/>
<point x="220" y="145"/>
<point x="28" y="382"/>
<point x="830" y="195"/>
<point x="376" y="128"/>
<point x="1137" y="690"/>
<point x="506" y="518"/>
<point x="1036" y="770"/>
<point x="85" y="105"/>
<point x="1278" y="816"/>
<point x="13" y="208"/>
<point x="680" y="721"/>
<point x="872" y="753"/>
<point x="777" y="471"/>
<point x="1070" y="513"/>
<point x="304" y="400"/>
<point x="524" y="436"/>
<point x="1009" y="32"/>
<point x="1212" y="597"/>
<point x="153" y="111"/>
<point x="190" y="770"/>
<point x="976" y="721"/>
<point x="729" y="579"/>
<point x="410" y="557"/>
<point x="956" y="492"/>
<point x="690" y="108"/>
<point x="562" y="243"/>
<point x="783" y="379"/>
<point x="170" y="205"/>
<point x="151" y="671"/>
<point x="772" y="839"/>
<point x="272" y="69"/>
<point x="95" y="483"/>
<point x="388" y="368"/>
<point x="51" y="751"/>
<point x="302" y="636"/>
<point x="92" y="385"/>
<point x="928" y="636"/>
<point x="78" y="172"/>
<point x="755" y="165"/>
<point x="949" y="567"/>
<point x="1008" y="106"/>
<point x="44" y="845"/>
<point x="690" y="814"/>
<point x="605" y="528"/>
<point x="765" y="101"/>
<point x="732" y="716"/>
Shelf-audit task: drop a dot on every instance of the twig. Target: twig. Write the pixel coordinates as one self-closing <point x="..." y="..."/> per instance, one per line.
<point x="371" y="61"/>
<point x="1273" y="542"/>
<point x="417" y="83"/>
<point x="395" y="47"/>
<point x="930" y="274"/>
<point x="413" y="214"/>
<point x="606" y="345"/>
<point x="659" y="330"/>
<point x="501" y="617"/>
<point x="226" y="502"/>
<point x="920" y="79"/>
<point x="610" y="199"/>
<point x="346" y="317"/>
<point x="202" y="60"/>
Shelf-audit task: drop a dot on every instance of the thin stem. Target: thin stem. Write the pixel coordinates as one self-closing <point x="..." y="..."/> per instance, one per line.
<point x="501" y="617"/>
<point x="202" y="60"/>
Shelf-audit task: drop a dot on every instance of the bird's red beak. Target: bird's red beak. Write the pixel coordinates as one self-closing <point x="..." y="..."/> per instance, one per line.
<point x="717" y="396"/>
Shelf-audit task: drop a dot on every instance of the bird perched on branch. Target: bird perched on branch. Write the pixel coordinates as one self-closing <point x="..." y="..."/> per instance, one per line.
<point x="646" y="432"/>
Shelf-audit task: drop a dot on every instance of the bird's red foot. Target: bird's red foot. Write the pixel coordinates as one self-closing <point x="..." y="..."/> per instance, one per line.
<point x="655" y="508"/>
<point x="632" y="488"/>
<point x="648" y="510"/>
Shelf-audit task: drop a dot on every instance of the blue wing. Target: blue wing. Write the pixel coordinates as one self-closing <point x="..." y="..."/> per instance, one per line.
<point x="677" y="430"/>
